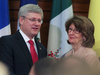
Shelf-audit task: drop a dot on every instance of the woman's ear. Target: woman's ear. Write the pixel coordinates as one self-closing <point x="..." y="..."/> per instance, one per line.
<point x="84" y="39"/>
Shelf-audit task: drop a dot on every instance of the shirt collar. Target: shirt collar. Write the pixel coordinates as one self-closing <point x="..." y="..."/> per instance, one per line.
<point x="25" y="36"/>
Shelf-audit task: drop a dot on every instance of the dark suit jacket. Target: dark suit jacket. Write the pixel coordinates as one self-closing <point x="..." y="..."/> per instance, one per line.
<point x="15" y="54"/>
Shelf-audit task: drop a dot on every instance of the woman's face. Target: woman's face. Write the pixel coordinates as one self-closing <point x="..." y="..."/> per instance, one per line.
<point x="74" y="35"/>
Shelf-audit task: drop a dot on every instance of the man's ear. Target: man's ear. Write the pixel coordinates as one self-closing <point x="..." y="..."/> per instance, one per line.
<point x="21" y="20"/>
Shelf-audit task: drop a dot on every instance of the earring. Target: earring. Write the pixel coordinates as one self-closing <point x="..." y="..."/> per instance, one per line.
<point x="84" y="39"/>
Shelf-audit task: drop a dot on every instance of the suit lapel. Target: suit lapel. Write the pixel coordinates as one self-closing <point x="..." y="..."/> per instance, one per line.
<point x="23" y="47"/>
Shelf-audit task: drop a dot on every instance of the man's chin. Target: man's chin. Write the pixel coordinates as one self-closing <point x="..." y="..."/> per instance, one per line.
<point x="35" y="34"/>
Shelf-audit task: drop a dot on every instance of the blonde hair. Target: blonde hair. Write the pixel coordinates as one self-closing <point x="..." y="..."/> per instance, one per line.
<point x="3" y="69"/>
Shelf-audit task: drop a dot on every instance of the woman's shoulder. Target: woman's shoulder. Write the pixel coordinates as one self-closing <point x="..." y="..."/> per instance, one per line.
<point x="91" y="51"/>
<point x="91" y="54"/>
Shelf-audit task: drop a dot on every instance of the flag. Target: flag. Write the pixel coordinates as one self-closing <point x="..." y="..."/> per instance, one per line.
<point x="4" y="18"/>
<point x="94" y="15"/>
<point x="57" y="39"/>
<point x="23" y="2"/>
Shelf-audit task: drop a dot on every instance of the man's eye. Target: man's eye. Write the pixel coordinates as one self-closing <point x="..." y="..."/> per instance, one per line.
<point x="32" y="19"/>
<point x="39" y="20"/>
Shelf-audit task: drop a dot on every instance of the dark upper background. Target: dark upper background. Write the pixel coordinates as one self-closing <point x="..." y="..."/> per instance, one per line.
<point x="80" y="7"/>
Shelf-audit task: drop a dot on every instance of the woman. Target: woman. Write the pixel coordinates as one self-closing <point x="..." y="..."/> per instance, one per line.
<point x="81" y="37"/>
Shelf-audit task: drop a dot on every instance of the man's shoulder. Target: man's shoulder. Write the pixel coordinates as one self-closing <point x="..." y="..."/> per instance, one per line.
<point x="9" y="37"/>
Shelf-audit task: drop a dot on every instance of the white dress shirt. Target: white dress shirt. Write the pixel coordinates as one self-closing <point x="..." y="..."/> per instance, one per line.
<point x="26" y="39"/>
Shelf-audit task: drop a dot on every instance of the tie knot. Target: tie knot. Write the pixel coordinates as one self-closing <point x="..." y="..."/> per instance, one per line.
<point x="31" y="42"/>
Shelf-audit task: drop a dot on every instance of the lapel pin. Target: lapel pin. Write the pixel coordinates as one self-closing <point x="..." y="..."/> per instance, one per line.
<point x="40" y="48"/>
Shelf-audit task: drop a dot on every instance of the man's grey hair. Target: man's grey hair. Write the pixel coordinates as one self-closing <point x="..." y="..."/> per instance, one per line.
<point x="24" y="10"/>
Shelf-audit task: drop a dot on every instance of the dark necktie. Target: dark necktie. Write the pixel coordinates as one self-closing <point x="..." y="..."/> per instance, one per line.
<point x="33" y="52"/>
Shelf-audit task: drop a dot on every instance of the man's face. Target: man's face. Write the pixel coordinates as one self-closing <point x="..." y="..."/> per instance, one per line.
<point x="31" y="24"/>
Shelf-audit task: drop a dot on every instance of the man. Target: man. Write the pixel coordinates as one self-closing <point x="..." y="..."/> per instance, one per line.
<point x="3" y="69"/>
<point x="72" y="65"/>
<point x="43" y="66"/>
<point x="15" y="50"/>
